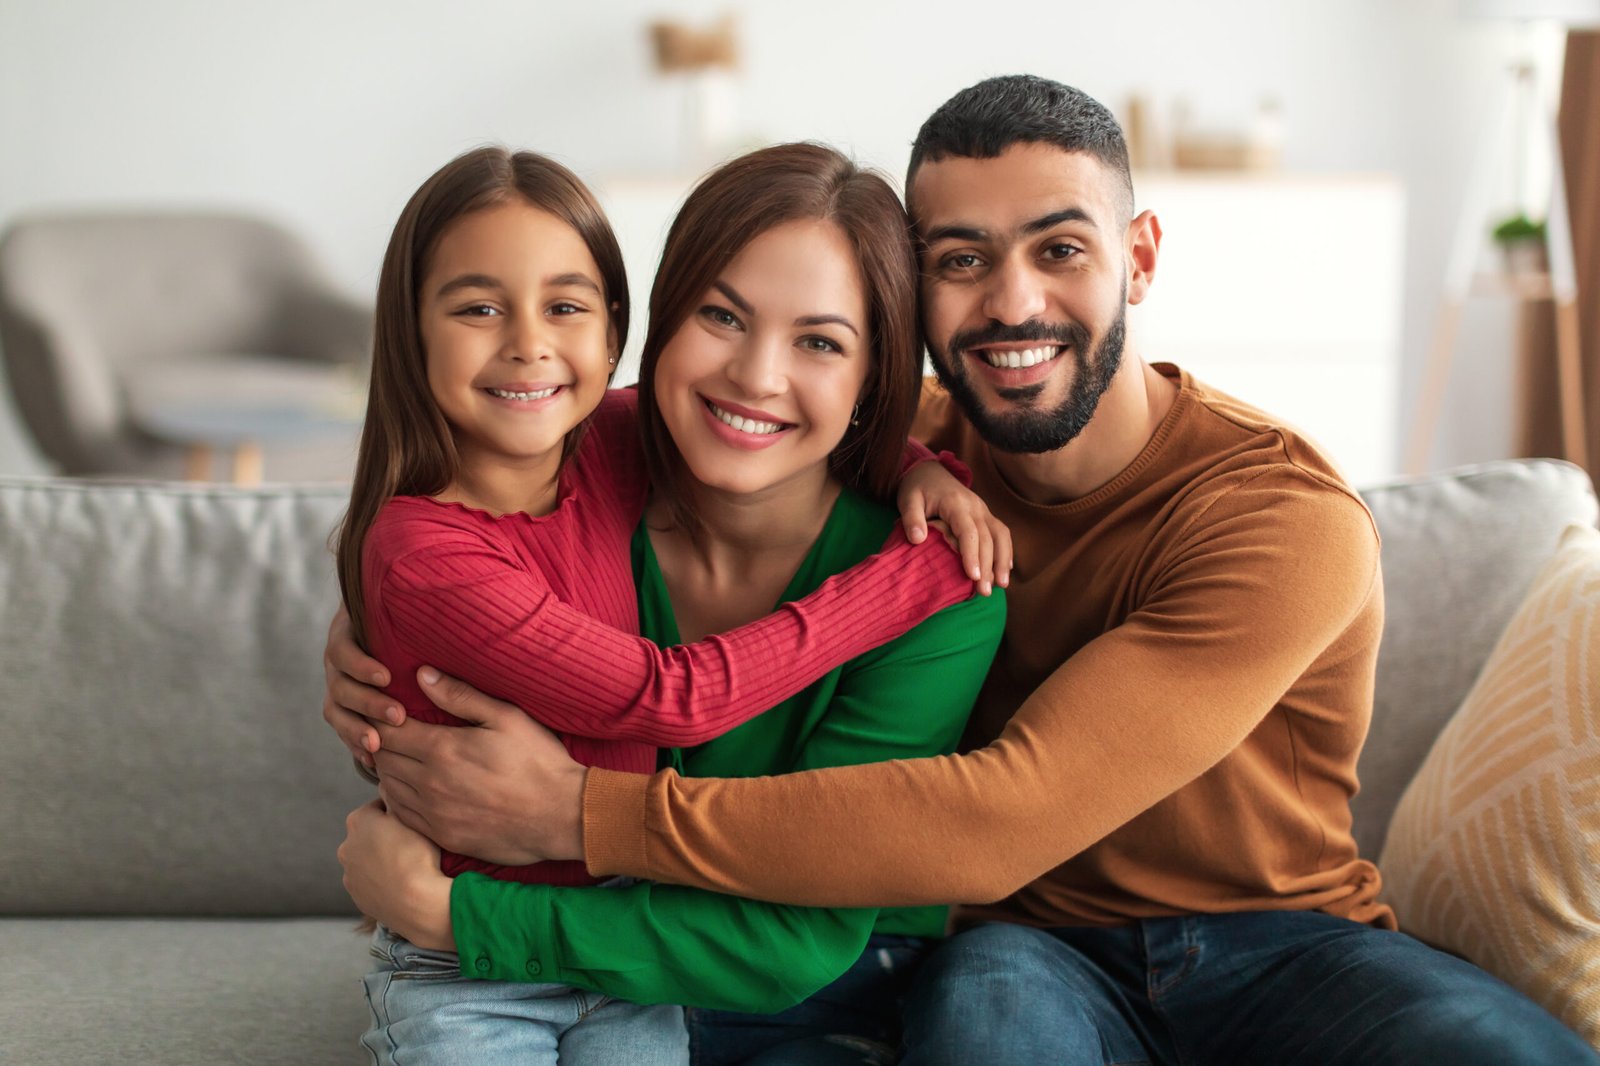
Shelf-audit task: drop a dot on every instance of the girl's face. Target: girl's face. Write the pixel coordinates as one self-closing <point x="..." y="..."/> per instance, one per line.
<point x="515" y="326"/>
<point x="756" y="387"/>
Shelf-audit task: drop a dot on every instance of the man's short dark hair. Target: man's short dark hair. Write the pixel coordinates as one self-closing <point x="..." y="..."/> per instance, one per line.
<point x="985" y="119"/>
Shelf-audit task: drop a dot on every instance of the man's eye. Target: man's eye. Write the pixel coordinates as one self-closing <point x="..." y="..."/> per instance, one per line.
<point x="962" y="261"/>
<point x="1061" y="251"/>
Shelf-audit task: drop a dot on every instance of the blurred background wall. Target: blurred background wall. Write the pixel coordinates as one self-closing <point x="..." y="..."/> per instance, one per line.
<point x="327" y="115"/>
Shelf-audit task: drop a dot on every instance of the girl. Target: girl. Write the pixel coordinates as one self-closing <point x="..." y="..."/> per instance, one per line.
<point x="488" y="536"/>
<point x="779" y="375"/>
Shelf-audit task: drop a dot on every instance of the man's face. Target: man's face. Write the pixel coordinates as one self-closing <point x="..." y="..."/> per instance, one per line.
<point x="1024" y="288"/>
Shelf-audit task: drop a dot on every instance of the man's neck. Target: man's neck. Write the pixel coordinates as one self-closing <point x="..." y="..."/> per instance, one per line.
<point x="1129" y="412"/>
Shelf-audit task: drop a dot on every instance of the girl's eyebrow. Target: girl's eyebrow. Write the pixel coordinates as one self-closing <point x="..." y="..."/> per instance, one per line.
<point x="469" y="281"/>
<point x="582" y="281"/>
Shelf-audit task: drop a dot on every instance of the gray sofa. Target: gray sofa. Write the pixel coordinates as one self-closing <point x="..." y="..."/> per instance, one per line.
<point x="171" y="800"/>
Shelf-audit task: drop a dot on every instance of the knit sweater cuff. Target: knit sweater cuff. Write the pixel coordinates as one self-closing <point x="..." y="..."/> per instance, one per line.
<point x="614" y="805"/>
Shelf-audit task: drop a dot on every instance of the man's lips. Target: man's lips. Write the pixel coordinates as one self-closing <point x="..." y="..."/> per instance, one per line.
<point x="1015" y="356"/>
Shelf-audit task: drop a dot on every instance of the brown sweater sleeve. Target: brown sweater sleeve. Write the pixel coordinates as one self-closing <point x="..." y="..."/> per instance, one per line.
<point x="1264" y="580"/>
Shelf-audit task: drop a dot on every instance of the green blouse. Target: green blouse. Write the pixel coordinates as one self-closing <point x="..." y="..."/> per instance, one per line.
<point x="656" y="943"/>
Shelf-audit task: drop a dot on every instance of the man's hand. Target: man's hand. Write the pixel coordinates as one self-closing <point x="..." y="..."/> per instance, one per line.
<point x="927" y="491"/>
<point x="503" y="790"/>
<point x="352" y="701"/>
<point x="392" y="874"/>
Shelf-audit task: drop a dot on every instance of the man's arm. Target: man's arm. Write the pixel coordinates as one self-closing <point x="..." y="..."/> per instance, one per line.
<point x="1268" y="582"/>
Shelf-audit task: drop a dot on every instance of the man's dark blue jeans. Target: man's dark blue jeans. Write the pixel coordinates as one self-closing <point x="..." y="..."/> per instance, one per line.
<point x="1257" y="989"/>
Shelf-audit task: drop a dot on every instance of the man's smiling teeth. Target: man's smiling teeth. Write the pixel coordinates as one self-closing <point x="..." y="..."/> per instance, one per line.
<point x="507" y="395"/>
<point x="742" y="424"/>
<point x="1030" y="357"/>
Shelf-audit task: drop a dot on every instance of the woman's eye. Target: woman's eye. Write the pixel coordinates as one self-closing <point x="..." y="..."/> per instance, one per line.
<point x="720" y="316"/>
<point x="820" y="344"/>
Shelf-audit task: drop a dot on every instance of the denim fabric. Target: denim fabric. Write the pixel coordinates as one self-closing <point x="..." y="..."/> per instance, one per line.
<point x="855" y="1021"/>
<point x="1262" y="989"/>
<point x="426" y="1014"/>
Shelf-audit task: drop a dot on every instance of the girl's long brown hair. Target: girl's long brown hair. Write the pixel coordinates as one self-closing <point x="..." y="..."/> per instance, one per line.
<point x="732" y="206"/>
<point x="406" y="446"/>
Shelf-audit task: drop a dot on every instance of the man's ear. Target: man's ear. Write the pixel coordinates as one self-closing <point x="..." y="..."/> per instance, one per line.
<point x="1144" y="244"/>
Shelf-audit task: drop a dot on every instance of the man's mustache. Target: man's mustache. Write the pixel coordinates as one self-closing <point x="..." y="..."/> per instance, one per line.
<point x="1065" y="334"/>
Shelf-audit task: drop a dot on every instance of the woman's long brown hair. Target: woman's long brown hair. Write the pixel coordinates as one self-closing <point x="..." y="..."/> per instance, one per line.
<point x="406" y="445"/>
<point x="732" y="206"/>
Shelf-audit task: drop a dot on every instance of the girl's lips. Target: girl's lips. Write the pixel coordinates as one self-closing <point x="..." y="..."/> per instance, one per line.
<point x="518" y="402"/>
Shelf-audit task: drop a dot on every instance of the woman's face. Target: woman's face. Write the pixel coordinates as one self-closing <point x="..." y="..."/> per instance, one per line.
<point x="757" y="385"/>
<point x="516" y="331"/>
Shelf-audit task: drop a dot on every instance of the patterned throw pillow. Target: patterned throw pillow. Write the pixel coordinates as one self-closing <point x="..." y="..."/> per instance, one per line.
<point x="1494" y="851"/>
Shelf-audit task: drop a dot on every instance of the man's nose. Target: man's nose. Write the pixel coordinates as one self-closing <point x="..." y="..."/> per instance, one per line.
<point x="1014" y="293"/>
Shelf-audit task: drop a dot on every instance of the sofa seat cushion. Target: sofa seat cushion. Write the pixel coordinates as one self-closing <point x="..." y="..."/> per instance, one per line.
<point x="1494" y="849"/>
<point x="88" y="991"/>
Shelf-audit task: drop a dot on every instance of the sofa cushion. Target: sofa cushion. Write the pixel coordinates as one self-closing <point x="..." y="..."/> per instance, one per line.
<point x="1494" y="849"/>
<point x="163" y="750"/>
<point x="86" y="992"/>
<point x="1459" y="553"/>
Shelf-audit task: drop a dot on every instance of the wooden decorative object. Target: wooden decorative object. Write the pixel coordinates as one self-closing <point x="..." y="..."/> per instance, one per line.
<point x="681" y="48"/>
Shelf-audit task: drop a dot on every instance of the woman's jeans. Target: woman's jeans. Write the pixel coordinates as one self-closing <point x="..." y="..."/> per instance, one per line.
<point x="1260" y="989"/>
<point x="855" y="1021"/>
<point x="424" y="1013"/>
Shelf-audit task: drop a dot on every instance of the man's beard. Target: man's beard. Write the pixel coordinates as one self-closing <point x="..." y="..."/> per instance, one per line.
<point x="1030" y="430"/>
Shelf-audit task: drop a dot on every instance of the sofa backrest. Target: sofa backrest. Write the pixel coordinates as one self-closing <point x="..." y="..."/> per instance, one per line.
<point x="162" y="749"/>
<point x="1460" y="550"/>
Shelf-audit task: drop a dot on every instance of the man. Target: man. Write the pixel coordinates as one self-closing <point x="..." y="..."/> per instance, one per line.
<point x="1156" y="836"/>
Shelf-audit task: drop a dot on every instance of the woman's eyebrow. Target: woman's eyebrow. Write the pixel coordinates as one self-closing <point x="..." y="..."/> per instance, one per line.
<point x="823" y="320"/>
<point x="733" y="296"/>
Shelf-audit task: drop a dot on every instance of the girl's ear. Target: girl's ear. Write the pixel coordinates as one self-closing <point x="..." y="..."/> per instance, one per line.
<point x="611" y="339"/>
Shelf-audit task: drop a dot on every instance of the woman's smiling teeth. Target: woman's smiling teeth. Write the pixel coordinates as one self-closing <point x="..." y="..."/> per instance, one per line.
<point x="506" y="394"/>
<point x="1029" y="357"/>
<point x="742" y="424"/>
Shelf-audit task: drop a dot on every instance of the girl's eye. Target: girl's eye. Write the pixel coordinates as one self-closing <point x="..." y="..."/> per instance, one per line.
<point x="565" y="307"/>
<point x="820" y="344"/>
<point x="478" y="311"/>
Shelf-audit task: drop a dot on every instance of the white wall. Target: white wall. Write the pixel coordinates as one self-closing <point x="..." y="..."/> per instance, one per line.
<point x="328" y="114"/>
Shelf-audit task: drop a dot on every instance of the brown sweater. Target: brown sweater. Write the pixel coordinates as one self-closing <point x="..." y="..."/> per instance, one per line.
<point x="1171" y="724"/>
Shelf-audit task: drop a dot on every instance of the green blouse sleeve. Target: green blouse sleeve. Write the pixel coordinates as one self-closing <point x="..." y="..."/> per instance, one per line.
<point x="653" y="943"/>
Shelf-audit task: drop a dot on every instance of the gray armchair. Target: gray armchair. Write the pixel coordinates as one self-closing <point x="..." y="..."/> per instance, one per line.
<point x="99" y="309"/>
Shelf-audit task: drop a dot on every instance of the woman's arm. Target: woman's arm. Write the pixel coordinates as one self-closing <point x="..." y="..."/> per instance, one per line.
<point x="652" y="943"/>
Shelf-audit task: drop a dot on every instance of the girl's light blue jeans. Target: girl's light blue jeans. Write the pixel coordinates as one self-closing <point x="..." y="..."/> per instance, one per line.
<point x="424" y="1013"/>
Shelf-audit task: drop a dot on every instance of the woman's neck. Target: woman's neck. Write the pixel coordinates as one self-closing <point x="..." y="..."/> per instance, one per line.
<point x="735" y="567"/>
<point x="504" y="486"/>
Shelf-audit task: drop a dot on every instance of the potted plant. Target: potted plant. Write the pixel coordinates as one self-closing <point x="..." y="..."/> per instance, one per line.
<point x="1522" y="242"/>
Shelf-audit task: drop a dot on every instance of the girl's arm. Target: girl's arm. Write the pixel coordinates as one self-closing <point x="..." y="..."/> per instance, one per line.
<point x="461" y="605"/>
<point x="651" y="943"/>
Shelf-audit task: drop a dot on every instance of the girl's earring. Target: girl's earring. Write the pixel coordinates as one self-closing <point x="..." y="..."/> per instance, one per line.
<point x="855" y="415"/>
<point x="613" y="359"/>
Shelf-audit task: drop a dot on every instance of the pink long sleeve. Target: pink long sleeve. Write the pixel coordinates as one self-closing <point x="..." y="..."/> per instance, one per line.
<point x="466" y="605"/>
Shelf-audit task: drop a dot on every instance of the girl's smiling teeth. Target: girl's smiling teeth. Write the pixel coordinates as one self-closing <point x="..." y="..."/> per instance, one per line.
<point x="1026" y="357"/>
<point x="537" y="394"/>
<point x="743" y="424"/>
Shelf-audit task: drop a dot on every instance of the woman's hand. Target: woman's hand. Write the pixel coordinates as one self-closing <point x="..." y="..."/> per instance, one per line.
<point x="353" y="700"/>
<point x="930" y="491"/>
<point x="503" y="789"/>
<point x="392" y="874"/>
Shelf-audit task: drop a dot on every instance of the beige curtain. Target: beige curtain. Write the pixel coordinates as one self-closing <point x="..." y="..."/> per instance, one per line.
<point x="1540" y="422"/>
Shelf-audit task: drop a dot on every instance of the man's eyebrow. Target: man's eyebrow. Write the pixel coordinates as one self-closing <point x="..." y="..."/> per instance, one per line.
<point x="822" y="320"/>
<point x="733" y="295"/>
<point x="469" y="281"/>
<point x="963" y="231"/>
<point x="1055" y="218"/>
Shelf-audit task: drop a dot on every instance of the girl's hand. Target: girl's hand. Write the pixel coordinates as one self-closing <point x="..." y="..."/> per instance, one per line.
<point x="353" y="699"/>
<point x="392" y="874"/>
<point x="929" y="491"/>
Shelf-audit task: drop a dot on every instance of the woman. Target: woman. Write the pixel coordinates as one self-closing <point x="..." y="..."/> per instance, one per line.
<point x="778" y="382"/>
